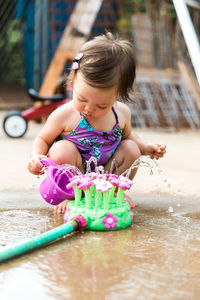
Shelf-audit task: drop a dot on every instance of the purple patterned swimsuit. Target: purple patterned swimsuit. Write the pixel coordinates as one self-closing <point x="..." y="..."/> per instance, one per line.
<point x="91" y="142"/>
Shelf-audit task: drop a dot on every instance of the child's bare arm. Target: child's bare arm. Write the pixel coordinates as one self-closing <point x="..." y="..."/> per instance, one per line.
<point x="52" y="128"/>
<point x="38" y="151"/>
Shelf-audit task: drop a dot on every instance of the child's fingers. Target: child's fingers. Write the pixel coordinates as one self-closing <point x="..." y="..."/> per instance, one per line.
<point x="158" y="155"/>
<point x="161" y="150"/>
<point x="35" y="166"/>
<point x="162" y="147"/>
<point x="156" y="150"/>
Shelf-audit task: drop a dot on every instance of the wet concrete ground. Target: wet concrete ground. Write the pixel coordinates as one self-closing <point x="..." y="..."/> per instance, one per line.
<point x="158" y="257"/>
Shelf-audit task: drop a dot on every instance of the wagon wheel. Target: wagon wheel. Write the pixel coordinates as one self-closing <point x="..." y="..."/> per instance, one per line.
<point x="14" y="124"/>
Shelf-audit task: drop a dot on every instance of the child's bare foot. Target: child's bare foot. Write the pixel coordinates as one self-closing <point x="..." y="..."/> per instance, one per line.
<point x="60" y="208"/>
<point x="131" y="202"/>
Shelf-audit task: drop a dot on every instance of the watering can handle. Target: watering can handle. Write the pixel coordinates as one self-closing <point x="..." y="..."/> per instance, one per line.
<point x="47" y="162"/>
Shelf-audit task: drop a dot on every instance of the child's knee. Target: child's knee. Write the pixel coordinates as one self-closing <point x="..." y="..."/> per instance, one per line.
<point x="65" y="152"/>
<point x="131" y="150"/>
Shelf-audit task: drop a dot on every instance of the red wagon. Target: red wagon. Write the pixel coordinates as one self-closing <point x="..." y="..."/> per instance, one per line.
<point x="15" y="123"/>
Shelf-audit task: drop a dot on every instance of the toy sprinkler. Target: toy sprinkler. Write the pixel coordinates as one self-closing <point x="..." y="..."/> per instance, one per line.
<point x="98" y="202"/>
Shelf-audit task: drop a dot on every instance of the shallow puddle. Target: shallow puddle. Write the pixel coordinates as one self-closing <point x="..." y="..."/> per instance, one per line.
<point x="158" y="257"/>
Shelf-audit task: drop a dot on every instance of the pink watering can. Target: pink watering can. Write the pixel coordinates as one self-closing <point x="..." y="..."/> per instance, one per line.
<point x="53" y="188"/>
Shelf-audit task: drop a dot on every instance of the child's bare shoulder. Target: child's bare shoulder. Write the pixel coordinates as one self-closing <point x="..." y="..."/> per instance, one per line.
<point x="63" y="113"/>
<point x="66" y="115"/>
<point x="123" y="107"/>
<point x="123" y="112"/>
<point x="63" y="110"/>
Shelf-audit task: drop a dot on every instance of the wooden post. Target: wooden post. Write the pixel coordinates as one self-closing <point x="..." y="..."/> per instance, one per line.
<point x="82" y="19"/>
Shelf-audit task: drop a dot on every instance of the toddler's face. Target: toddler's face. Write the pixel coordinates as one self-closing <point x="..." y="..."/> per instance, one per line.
<point x="92" y="102"/>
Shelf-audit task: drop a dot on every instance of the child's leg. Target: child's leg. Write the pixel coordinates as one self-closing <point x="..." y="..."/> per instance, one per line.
<point x="125" y="155"/>
<point x="65" y="152"/>
<point x="61" y="208"/>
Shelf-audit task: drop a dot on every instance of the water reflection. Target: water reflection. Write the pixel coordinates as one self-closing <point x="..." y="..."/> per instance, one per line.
<point x="156" y="258"/>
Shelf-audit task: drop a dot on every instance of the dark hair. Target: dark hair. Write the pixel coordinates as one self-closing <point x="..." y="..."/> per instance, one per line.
<point x="108" y="61"/>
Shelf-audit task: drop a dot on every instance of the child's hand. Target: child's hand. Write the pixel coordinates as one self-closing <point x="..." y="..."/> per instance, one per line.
<point x="154" y="150"/>
<point x="34" y="165"/>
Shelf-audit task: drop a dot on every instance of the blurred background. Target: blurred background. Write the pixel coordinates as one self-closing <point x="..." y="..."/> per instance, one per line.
<point x="32" y="32"/>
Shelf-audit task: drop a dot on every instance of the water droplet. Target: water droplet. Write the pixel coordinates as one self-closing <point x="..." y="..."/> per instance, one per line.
<point x="54" y="192"/>
<point x="155" y="162"/>
<point x="170" y="209"/>
<point x="178" y="204"/>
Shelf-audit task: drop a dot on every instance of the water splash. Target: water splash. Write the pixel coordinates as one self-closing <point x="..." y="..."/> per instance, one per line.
<point x="89" y="163"/>
<point x="60" y="171"/>
<point x="142" y="161"/>
<point x="114" y="165"/>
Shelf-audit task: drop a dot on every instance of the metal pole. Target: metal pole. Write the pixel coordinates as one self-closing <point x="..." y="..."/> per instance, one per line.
<point x="189" y="35"/>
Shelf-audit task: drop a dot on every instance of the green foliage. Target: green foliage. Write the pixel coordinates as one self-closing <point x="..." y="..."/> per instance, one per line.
<point x="11" y="54"/>
<point x="130" y="7"/>
<point x="127" y="9"/>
